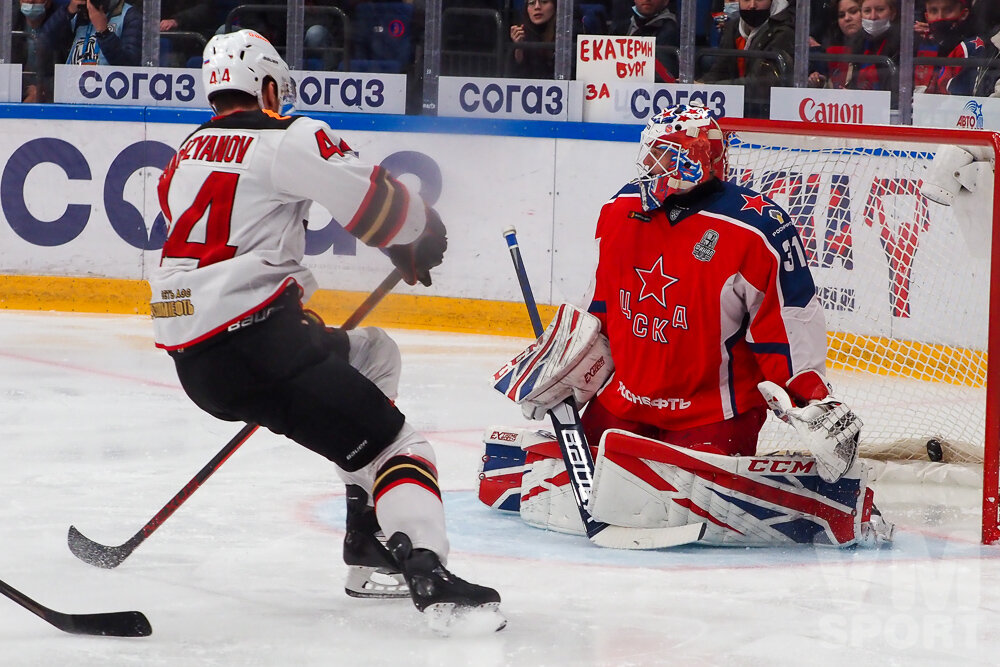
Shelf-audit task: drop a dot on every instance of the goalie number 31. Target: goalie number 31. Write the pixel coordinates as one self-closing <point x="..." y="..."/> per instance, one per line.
<point x="795" y="256"/>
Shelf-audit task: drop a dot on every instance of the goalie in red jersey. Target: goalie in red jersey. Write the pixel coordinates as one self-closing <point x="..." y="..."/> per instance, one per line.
<point x="704" y="314"/>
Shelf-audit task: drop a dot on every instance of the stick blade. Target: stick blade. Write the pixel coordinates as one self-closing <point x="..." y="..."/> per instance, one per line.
<point x="111" y="624"/>
<point x="621" y="537"/>
<point x="95" y="554"/>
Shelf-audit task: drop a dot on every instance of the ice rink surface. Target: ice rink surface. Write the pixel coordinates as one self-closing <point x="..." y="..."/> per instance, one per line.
<point x="96" y="432"/>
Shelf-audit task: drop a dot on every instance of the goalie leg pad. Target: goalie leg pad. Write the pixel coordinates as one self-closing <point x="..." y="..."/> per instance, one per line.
<point x="547" y="499"/>
<point x="500" y="469"/>
<point x="523" y="471"/>
<point x="747" y="500"/>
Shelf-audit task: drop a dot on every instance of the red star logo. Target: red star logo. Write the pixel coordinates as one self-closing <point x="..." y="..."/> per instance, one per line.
<point x="756" y="203"/>
<point x="978" y="42"/>
<point x="655" y="282"/>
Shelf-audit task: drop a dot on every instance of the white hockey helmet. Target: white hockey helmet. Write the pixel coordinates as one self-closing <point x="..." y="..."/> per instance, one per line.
<point x="241" y="61"/>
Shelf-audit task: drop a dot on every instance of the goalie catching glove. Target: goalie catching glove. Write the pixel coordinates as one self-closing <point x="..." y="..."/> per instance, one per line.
<point x="827" y="427"/>
<point x="570" y="358"/>
<point x="955" y="169"/>
<point x="415" y="260"/>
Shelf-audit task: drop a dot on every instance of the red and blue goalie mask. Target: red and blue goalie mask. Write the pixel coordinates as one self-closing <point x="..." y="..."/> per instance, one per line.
<point x="680" y="148"/>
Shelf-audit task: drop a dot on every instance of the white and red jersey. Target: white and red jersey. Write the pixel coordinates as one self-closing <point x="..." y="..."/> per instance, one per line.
<point x="236" y="197"/>
<point x="701" y="300"/>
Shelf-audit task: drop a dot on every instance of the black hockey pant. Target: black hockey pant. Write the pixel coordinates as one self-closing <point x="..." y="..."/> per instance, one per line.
<point x="291" y="375"/>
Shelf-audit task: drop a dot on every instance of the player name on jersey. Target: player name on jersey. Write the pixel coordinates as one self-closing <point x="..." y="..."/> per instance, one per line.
<point x="227" y="148"/>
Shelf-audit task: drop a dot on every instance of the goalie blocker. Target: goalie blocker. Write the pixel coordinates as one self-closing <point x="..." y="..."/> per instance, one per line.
<point x="644" y="483"/>
<point x="570" y="358"/>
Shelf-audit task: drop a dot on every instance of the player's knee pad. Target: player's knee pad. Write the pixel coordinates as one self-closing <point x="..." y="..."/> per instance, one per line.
<point x="409" y="446"/>
<point x="376" y="355"/>
<point x="404" y="486"/>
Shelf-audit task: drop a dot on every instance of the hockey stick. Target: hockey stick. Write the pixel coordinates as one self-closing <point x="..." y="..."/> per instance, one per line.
<point x="579" y="462"/>
<point x="100" y="555"/>
<point x="111" y="624"/>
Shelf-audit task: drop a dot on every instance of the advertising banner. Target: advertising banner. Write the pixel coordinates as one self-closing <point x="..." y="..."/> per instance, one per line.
<point x="351" y="93"/>
<point x="511" y="99"/>
<point x="636" y="102"/>
<point x="78" y="198"/>
<point x="821" y="105"/>
<point x="176" y="87"/>
<point x="129" y="86"/>
<point x="953" y="111"/>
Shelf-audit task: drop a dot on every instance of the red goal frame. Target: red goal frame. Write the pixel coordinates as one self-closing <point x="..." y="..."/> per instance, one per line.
<point x="991" y="451"/>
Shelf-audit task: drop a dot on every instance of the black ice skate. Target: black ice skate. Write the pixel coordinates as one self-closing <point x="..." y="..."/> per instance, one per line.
<point x="371" y="572"/>
<point x="452" y="605"/>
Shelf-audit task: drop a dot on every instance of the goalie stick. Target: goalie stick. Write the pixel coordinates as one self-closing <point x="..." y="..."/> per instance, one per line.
<point x="576" y="454"/>
<point x="110" y="624"/>
<point x="101" y="555"/>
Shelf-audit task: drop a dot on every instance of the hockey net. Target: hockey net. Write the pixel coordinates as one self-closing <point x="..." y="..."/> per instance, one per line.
<point x="905" y="284"/>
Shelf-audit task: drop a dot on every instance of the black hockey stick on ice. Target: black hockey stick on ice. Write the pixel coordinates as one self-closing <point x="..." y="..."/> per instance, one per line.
<point x="579" y="462"/>
<point x="101" y="555"/>
<point x="110" y="624"/>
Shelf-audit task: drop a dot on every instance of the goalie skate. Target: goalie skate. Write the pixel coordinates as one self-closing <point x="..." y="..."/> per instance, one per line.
<point x="452" y="606"/>
<point x="371" y="571"/>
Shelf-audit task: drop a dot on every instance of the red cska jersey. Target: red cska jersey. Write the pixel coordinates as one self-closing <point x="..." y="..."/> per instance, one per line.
<point x="701" y="299"/>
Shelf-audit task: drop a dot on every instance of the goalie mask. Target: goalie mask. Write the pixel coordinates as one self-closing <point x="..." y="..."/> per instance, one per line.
<point x="680" y="148"/>
<point x="242" y="61"/>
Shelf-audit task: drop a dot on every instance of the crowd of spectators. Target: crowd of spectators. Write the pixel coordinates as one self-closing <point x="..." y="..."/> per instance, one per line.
<point x="965" y="32"/>
<point x="519" y="38"/>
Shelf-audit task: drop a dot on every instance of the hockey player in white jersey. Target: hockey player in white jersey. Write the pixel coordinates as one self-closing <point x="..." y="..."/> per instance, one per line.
<point x="227" y="306"/>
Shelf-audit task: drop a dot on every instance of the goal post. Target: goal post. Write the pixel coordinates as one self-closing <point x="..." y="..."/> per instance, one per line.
<point x="906" y="285"/>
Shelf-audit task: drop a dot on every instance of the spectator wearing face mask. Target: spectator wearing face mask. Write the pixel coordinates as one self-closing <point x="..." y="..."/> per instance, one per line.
<point x="760" y="25"/>
<point x="950" y="33"/>
<point x="879" y="36"/>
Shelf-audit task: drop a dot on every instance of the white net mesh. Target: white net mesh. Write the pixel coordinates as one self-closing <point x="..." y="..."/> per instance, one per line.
<point x="904" y="281"/>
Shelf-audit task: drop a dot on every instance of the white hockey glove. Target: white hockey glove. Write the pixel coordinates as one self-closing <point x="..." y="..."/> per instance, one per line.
<point x="962" y="177"/>
<point x="955" y="168"/>
<point x="571" y="358"/>
<point x="828" y="428"/>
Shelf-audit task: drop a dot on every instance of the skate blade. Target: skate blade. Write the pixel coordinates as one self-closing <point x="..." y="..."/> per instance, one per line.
<point x="371" y="582"/>
<point x="450" y="620"/>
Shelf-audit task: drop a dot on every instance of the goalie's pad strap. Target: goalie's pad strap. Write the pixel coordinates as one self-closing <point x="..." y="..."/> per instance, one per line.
<point x="747" y="500"/>
<point x="571" y="355"/>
